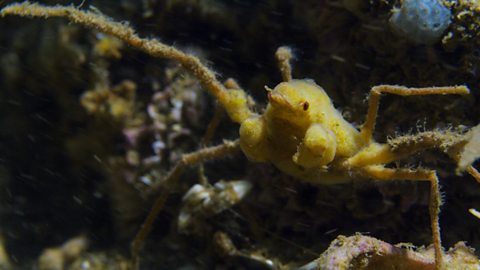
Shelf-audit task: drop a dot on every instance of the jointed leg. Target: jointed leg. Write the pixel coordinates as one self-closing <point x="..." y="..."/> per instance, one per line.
<point x="474" y="212"/>
<point x="404" y="146"/>
<point x="171" y="178"/>
<point x="234" y="101"/>
<point x="212" y="127"/>
<point x="207" y="137"/>
<point x="474" y="173"/>
<point x="376" y="91"/>
<point x="386" y="174"/>
<point x="284" y="55"/>
<point x="217" y="117"/>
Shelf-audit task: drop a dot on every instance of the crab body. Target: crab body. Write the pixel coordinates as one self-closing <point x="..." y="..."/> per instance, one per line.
<point x="301" y="133"/>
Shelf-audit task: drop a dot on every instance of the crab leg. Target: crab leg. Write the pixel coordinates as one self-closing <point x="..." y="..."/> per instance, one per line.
<point x="234" y="101"/>
<point x="190" y="159"/>
<point x="376" y="91"/>
<point x="380" y="173"/>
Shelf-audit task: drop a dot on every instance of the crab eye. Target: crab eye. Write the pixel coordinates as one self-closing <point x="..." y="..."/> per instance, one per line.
<point x="305" y="105"/>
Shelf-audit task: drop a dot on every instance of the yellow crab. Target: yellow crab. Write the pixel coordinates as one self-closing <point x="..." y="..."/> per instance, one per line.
<point x="300" y="131"/>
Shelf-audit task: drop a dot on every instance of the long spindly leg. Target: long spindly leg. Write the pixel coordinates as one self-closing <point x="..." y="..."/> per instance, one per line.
<point x="474" y="173"/>
<point x="212" y="127"/>
<point x="207" y="137"/>
<point x="190" y="159"/>
<point x="376" y="91"/>
<point x="284" y="55"/>
<point x="405" y="146"/>
<point x="380" y="173"/>
<point x="235" y="101"/>
<point x="230" y="84"/>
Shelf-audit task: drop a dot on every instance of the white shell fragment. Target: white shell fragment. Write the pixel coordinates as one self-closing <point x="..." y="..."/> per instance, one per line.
<point x="471" y="151"/>
<point x="202" y="202"/>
